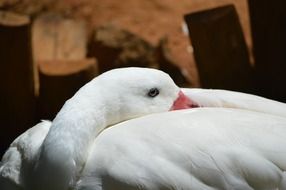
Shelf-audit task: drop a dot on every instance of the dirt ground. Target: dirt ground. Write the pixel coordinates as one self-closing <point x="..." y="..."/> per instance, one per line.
<point x="150" y="19"/>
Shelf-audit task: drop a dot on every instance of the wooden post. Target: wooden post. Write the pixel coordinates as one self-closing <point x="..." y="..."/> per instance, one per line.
<point x="58" y="38"/>
<point x="17" y="97"/>
<point x="269" y="39"/>
<point x="220" y="50"/>
<point x="60" y="50"/>
<point x="59" y="80"/>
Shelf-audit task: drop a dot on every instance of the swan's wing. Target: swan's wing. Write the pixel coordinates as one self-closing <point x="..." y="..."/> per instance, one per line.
<point x="231" y="99"/>
<point x="21" y="152"/>
<point x="10" y="170"/>
<point x="202" y="149"/>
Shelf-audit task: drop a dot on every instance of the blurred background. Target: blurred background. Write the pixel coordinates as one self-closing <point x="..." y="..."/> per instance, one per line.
<point x="50" y="48"/>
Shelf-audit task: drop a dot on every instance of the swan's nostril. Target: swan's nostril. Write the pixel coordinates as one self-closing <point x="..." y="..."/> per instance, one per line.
<point x="194" y="105"/>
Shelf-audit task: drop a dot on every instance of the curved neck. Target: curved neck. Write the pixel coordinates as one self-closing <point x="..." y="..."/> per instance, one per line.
<point x="75" y="129"/>
<point x="76" y="126"/>
<point x="70" y="137"/>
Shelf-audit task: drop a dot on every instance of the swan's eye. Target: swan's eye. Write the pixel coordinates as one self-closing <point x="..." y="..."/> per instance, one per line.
<point x="153" y="92"/>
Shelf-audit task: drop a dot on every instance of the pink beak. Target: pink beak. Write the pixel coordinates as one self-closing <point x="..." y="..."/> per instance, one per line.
<point x="183" y="102"/>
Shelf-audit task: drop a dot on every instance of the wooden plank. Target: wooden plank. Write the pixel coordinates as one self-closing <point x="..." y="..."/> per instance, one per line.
<point x="269" y="39"/>
<point x="17" y="97"/>
<point x="220" y="50"/>
<point x="59" y="81"/>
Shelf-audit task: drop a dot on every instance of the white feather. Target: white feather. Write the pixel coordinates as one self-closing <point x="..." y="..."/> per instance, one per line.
<point x="18" y="160"/>
<point x="232" y="99"/>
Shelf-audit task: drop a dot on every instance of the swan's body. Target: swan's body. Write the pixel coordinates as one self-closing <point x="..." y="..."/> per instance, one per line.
<point x="29" y="159"/>
<point x="201" y="149"/>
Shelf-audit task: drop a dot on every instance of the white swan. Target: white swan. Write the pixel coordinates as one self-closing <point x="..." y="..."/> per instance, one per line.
<point x="51" y="155"/>
<point x="17" y="161"/>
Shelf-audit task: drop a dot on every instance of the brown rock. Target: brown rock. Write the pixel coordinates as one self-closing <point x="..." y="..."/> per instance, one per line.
<point x="168" y="64"/>
<point x="114" y="47"/>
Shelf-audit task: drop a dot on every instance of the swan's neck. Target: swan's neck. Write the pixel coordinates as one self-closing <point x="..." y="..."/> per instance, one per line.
<point x="75" y="128"/>
<point x="66" y="147"/>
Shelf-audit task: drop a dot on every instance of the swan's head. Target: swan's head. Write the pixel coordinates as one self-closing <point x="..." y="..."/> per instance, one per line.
<point x="133" y="92"/>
